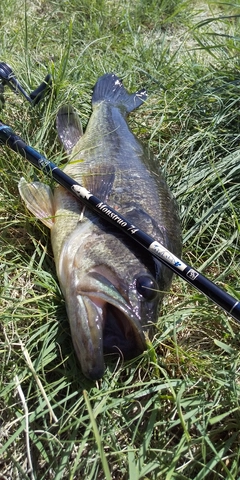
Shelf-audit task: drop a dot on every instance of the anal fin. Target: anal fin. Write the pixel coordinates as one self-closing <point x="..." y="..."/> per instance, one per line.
<point x="69" y="127"/>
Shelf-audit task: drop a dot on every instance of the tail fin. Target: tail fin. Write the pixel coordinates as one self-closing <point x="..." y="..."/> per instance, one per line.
<point x="110" y="88"/>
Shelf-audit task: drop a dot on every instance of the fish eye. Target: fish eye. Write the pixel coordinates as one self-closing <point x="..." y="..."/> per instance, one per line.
<point x="147" y="287"/>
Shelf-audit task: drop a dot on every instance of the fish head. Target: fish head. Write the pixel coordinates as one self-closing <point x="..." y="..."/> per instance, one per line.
<point x="111" y="302"/>
<point x="129" y="305"/>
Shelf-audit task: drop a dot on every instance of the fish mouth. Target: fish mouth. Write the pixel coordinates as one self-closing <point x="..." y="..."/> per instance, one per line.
<point x="113" y="325"/>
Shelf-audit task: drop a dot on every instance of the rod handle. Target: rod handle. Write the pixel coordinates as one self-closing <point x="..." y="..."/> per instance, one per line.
<point x="37" y="94"/>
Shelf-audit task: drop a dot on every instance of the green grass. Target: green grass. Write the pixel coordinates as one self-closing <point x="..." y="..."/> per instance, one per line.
<point x="173" y="413"/>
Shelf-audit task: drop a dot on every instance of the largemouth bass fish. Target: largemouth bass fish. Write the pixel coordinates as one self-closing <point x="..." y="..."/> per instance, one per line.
<point x="112" y="286"/>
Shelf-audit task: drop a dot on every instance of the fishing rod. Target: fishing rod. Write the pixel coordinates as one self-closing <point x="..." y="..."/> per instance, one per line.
<point x="185" y="271"/>
<point x="8" y="78"/>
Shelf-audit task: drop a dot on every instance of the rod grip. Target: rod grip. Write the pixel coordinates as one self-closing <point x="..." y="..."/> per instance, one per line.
<point x="37" y="94"/>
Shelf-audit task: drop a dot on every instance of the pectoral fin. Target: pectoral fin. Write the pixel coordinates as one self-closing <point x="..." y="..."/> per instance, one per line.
<point x="69" y="127"/>
<point x="99" y="180"/>
<point x="38" y="198"/>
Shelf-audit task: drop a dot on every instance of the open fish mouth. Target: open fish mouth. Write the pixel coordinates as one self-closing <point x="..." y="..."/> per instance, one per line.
<point x="112" y="325"/>
<point x="121" y="334"/>
<point x="121" y="327"/>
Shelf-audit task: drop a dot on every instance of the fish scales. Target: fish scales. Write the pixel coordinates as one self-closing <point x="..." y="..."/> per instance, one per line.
<point x="112" y="286"/>
<point x="108" y="141"/>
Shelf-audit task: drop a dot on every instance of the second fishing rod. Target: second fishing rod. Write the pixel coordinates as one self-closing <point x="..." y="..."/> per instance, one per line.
<point x="228" y="303"/>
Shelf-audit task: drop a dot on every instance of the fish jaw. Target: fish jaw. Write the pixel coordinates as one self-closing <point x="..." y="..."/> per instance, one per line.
<point x="122" y="329"/>
<point x="101" y="321"/>
<point x="86" y="328"/>
<point x="100" y="314"/>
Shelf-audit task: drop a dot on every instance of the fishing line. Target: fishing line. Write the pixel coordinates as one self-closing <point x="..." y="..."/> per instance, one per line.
<point x="182" y="269"/>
